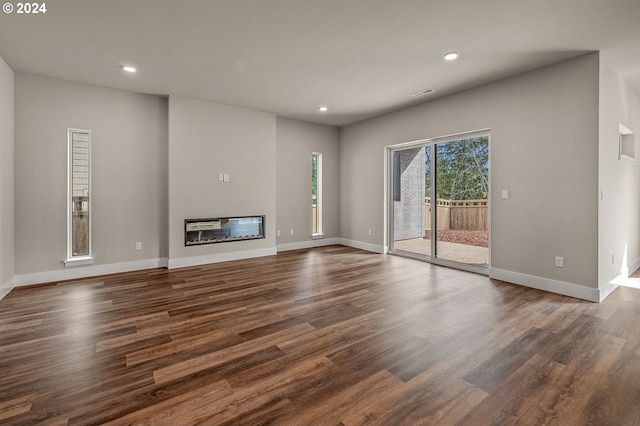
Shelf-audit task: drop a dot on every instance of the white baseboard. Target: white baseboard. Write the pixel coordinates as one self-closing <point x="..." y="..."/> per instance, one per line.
<point x="634" y="266"/>
<point x="307" y="244"/>
<point x="184" y="262"/>
<point x="608" y="288"/>
<point x="553" y="286"/>
<point x="622" y="279"/>
<point x="7" y="287"/>
<point x="362" y="246"/>
<point x="88" y="271"/>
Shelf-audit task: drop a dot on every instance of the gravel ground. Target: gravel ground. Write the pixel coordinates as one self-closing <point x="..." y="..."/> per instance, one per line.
<point x="474" y="238"/>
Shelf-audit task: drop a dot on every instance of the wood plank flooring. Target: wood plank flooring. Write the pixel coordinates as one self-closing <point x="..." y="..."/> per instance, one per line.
<point x="328" y="336"/>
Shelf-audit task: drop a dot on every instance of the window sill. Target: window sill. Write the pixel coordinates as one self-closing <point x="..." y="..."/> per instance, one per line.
<point x="79" y="261"/>
<point x="628" y="159"/>
<point x="317" y="236"/>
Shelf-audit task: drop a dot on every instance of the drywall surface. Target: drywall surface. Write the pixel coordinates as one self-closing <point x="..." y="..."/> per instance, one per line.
<point x="296" y="141"/>
<point x="129" y="167"/>
<point x="619" y="180"/>
<point x="543" y="150"/>
<point x="207" y="139"/>
<point x="6" y="175"/>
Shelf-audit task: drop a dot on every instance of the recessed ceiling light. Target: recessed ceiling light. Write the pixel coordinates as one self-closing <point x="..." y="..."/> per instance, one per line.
<point x="451" y="56"/>
<point x="128" y="68"/>
<point x="323" y="109"/>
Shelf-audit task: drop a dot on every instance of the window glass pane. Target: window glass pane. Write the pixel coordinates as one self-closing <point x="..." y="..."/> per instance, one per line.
<point x="314" y="193"/>
<point x="80" y="192"/>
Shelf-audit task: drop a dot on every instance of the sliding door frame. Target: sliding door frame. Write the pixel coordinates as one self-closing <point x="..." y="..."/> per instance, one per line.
<point x="389" y="205"/>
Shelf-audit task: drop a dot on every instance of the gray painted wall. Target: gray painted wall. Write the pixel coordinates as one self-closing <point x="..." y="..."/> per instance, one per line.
<point x="544" y="150"/>
<point x="129" y="171"/>
<point x="296" y="140"/>
<point x="553" y="146"/>
<point x="206" y="139"/>
<point x="6" y="175"/>
<point x="619" y="211"/>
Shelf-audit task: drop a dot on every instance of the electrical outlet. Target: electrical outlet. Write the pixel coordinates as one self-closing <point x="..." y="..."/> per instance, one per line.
<point x="504" y="194"/>
<point x="138" y="245"/>
<point x="370" y="232"/>
<point x="291" y="231"/>
<point x="560" y="261"/>
<point x="277" y="233"/>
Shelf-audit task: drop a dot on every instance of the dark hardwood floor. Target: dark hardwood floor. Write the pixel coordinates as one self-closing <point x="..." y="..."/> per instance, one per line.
<point x="329" y="336"/>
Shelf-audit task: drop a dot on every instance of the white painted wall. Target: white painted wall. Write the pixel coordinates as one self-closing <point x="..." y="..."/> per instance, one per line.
<point x="296" y="141"/>
<point x="544" y="150"/>
<point x="619" y="211"/>
<point x="6" y="178"/>
<point x="206" y="139"/>
<point x="129" y="172"/>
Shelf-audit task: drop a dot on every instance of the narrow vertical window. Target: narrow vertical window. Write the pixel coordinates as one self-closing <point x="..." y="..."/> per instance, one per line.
<point x="79" y="198"/>
<point x="316" y="195"/>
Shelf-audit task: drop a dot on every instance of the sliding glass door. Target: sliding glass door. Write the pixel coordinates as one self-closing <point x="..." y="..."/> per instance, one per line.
<point x="439" y="204"/>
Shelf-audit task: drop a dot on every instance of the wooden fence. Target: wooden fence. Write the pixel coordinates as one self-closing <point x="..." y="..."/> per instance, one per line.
<point x="458" y="214"/>
<point x="80" y="231"/>
<point x="314" y="219"/>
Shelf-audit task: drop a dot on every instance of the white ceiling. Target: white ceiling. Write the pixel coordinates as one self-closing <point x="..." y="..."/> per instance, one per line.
<point x="361" y="58"/>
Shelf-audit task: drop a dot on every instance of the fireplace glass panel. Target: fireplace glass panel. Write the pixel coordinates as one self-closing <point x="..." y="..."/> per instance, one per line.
<point x="223" y="229"/>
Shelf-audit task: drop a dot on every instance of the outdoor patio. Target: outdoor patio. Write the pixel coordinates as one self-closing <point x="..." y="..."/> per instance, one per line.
<point x="463" y="253"/>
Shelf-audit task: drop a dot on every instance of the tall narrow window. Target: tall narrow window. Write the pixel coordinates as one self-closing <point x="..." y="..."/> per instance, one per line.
<point x="79" y="198"/>
<point x="316" y="195"/>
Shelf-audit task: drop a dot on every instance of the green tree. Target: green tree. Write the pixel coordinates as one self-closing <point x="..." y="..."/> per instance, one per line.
<point x="462" y="169"/>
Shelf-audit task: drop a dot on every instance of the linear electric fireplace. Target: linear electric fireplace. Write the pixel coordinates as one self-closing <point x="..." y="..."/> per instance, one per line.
<point x="222" y="229"/>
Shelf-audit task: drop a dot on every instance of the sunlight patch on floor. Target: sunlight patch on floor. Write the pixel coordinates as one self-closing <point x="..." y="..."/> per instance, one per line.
<point x="631" y="282"/>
